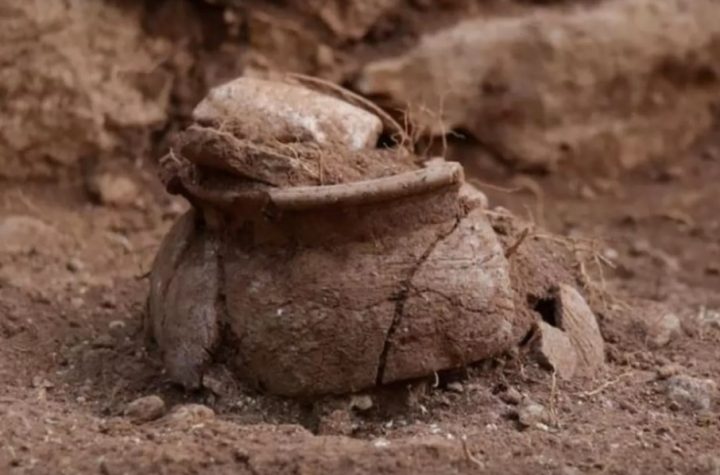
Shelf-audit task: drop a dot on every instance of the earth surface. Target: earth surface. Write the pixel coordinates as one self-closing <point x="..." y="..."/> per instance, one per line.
<point x="82" y="391"/>
<point x="73" y="353"/>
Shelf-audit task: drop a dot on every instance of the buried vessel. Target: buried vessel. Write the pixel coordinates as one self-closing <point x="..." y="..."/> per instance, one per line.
<point x="315" y="262"/>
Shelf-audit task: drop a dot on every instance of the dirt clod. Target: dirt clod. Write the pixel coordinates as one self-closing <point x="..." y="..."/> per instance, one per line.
<point x="114" y="190"/>
<point x="338" y="422"/>
<point x="511" y="396"/>
<point x="145" y="409"/>
<point x="188" y="415"/>
<point x="669" y="370"/>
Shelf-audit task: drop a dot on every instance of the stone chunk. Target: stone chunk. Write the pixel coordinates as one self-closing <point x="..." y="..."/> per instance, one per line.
<point x="691" y="394"/>
<point x="145" y="409"/>
<point x="662" y="329"/>
<point x="254" y="108"/>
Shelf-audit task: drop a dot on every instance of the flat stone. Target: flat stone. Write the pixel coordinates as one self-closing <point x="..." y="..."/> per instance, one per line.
<point x="251" y="107"/>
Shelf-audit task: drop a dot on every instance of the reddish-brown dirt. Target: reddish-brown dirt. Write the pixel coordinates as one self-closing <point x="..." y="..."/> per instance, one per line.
<point x="73" y="288"/>
<point x="72" y="355"/>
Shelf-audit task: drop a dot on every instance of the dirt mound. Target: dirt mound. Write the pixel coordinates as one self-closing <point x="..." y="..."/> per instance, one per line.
<point x="540" y="89"/>
<point x="83" y="74"/>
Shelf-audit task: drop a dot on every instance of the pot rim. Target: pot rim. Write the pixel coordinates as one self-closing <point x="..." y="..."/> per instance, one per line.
<point x="411" y="183"/>
<point x="401" y="185"/>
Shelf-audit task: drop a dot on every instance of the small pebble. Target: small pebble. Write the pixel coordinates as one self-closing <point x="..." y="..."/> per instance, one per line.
<point x="108" y="301"/>
<point x="191" y="414"/>
<point x="511" y="396"/>
<point x="361" y="402"/>
<point x="145" y="409"/>
<point x="103" y="341"/>
<point x="531" y="414"/>
<point x="75" y="265"/>
<point x="665" y="329"/>
<point x="116" y="327"/>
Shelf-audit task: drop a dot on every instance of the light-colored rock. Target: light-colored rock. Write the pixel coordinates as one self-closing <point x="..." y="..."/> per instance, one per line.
<point x="691" y="394"/>
<point x="361" y="402"/>
<point x="530" y="414"/>
<point x="145" y="409"/>
<point x="116" y="328"/>
<point x="539" y="88"/>
<point x="257" y="108"/>
<point x="663" y="328"/>
<point x="190" y="414"/>
<point x="114" y="189"/>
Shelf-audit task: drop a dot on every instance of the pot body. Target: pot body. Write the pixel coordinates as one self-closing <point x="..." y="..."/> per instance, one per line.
<point x="338" y="298"/>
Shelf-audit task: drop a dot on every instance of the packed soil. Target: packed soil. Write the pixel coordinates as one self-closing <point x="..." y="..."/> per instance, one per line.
<point x="75" y="254"/>
<point x="73" y="284"/>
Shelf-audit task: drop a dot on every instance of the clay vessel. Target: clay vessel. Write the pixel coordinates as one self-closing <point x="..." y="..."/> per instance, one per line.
<point x="387" y="273"/>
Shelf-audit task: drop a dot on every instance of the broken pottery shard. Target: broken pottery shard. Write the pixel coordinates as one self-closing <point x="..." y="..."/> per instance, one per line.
<point x="556" y="351"/>
<point x="537" y="89"/>
<point x="574" y="316"/>
<point x="185" y="314"/>
<point x="166" y="262"/>
<point x="249" y="107"/>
